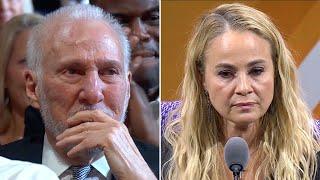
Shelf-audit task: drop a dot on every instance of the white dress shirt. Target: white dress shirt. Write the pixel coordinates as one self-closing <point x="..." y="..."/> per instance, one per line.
<point x="53" y="161"/>
<point x="20" y="170"/>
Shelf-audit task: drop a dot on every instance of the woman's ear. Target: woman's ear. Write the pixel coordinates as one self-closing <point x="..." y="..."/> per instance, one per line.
<point x="201" y="74"/>
<point x="204" y="84"/>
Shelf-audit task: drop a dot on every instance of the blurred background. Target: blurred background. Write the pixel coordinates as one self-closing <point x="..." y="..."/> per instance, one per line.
<point x="298" y="21"/>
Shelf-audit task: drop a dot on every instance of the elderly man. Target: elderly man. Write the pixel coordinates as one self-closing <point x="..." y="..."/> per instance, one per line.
<point x="80" y="81"/>
<point x="140" y="19"/>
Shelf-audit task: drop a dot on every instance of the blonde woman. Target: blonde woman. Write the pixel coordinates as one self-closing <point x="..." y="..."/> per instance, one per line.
<point x="13" y="99"/>
<point x="9" y="9"/>
<point x="240" y="80"/>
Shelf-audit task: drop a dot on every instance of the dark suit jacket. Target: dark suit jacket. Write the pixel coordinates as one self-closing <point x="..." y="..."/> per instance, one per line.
<point x="30" y="147"/>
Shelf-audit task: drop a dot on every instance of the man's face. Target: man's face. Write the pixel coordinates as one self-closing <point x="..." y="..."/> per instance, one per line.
<point x="83" y="69"/>
<point x="141" y="21"/>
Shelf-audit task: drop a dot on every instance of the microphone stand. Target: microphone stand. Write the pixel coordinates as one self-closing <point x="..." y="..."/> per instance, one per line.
<point x="236" y="169"/>
<point x="236" y="176"/>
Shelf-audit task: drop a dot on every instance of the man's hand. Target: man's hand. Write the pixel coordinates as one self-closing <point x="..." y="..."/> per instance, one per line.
<point x="95" y="129"/>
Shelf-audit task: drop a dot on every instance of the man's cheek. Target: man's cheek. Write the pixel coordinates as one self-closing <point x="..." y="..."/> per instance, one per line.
<point x="154" y="31"/>
<point x="115" y="99"/>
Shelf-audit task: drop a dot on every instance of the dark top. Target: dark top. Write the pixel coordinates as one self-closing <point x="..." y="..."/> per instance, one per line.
<point x="30" y="147"/>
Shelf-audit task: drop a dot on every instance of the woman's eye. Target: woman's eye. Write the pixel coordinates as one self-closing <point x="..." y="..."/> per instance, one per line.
<point x="22" y="61"/>
<point x="225" y="74"/>
<point x="256" y="71"/>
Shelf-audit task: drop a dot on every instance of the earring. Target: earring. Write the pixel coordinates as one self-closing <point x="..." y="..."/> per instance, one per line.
<point x="6" y="97"/>
<point x="207" y="97"/>
<point x="209" y="106"/>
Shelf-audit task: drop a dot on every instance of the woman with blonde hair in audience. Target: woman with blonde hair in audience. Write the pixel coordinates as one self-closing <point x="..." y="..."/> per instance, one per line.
<point x="13" y="99"/>
<point x="240" y="80"/>
<point x="9" y="9"/>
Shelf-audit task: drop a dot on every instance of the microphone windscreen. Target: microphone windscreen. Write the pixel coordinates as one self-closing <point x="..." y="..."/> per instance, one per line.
<point x="236" y="151"/>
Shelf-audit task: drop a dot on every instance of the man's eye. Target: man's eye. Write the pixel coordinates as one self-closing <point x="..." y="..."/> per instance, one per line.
<point x="225" y="74"/>
<point x="122" y="19"/>
<point x="109" y="72"/>
<point x="74" y="72"/>
<point x="22" y="61"/>
<point x="152" y="18"/>
<point x="256" y="71"/>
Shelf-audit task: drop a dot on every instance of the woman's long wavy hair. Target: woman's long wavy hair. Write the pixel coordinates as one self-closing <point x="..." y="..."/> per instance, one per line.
<point x="289" y="142"/>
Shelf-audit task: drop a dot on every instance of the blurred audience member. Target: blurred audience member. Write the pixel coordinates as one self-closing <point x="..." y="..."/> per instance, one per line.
<point x="13" y="99"/>
<point x="73" y="2"/>
<point x="140" y="19"/>
<point x="45" y="7"/>
<point x="12" y="169"/>
<point x="9" y="9"/>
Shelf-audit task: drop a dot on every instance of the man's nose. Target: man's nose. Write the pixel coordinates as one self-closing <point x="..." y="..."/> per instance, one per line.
<point x="138" y="28"/>
<point x="243" y="86"/>
<point x="92" y="89"/>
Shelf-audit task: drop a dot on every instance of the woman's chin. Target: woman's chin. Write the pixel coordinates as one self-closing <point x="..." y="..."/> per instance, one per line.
<point x="245" y="119"/>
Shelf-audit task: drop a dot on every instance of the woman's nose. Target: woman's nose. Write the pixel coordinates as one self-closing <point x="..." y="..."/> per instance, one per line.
<point x="244" y="86"/>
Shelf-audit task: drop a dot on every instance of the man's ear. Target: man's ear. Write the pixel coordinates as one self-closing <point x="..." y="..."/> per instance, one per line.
<point x="129" y="77"/>
<point x="32" y="88"/>
<point x="129" y="83"/>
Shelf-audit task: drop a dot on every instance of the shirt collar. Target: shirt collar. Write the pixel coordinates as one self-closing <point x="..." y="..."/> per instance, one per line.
<point x="49" y="155"/>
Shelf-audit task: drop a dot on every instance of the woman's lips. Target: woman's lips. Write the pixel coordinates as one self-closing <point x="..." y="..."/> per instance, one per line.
<point x="244" y="105"/>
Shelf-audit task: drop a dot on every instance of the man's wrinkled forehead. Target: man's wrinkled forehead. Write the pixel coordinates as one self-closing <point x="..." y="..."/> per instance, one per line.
<point x="90" y="34"/>
<point x="91" y="37"/>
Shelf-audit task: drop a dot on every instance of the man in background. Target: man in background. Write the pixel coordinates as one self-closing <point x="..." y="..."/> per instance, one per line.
<point x="140" y="19"/>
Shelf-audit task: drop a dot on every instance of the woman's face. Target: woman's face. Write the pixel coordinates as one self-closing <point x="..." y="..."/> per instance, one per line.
<point x="239" y="76"/>
<point x="15" y="71"/>
<point x="9" y="9"/>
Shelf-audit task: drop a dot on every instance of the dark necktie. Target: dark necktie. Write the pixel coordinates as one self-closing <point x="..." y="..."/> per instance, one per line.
<point x="80" y="172"/>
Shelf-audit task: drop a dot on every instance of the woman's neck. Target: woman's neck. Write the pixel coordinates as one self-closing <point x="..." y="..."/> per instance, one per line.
<point x="250" y="133"/>
<point x="14" y="129"/>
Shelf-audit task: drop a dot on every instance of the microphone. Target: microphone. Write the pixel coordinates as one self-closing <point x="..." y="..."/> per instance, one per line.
<point x="236" y="155"/>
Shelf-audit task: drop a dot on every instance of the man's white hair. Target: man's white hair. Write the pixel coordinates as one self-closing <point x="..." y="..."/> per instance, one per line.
<point x="35" y="51"/>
